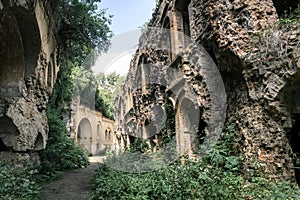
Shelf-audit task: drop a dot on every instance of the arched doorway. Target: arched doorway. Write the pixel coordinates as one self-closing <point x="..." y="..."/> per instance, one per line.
<point x="20" y="45"/>
<point x="189" y="127"/>
<point x="291" y="99"/>
<point x="84" y="134"/>
<point x="11" y="55"/>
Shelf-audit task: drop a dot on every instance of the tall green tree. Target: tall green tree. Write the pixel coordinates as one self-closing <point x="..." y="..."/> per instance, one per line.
<point x="108" y="87"/>
<point x="83" y="31"/>
<point x="83" y="27"/>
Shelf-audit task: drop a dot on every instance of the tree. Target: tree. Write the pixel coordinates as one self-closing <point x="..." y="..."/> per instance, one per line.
<point x="108" y="88"/>
<point x="83" y="27"/>
<point x="84" y="33"/>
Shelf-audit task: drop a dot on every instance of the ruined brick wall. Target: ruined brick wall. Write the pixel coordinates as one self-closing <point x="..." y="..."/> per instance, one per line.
<point x="258" y="61"/>
<point x="29" y="65"/>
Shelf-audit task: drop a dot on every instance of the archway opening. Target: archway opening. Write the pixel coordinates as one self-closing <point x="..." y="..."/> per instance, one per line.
<point x="168" y="131"/>
<point x="98" y="130"/>
<point x="166" y="38"/>
<point x="183" y="8"/>
<point x="84" y="134"/>
<point x="20" y="45"/>
<point x="11" y="55"/>
<point x="189" y="127"/>
<point x="108" y="134"/>
<point x="31" y="38"/>
<point x="291" y="98"/>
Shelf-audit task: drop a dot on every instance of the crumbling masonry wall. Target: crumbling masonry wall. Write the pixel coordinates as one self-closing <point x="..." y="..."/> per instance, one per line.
<point x="258" y="61"/>
<point x="90" y="129"/>
<point x="28" y="69"/>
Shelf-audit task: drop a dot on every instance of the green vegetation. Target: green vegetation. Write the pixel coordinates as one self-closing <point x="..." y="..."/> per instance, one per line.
<point x="218" y="175"/>
<point x="84" y="85"/>
<point x="84" y="33"/>
<point x="108" y="87"/>
<point x="291" y="17"/>
<point x="18" y="183"/>
<point x="61" y="152"/>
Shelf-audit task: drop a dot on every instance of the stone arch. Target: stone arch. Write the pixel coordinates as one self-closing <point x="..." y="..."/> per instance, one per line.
<point x="189" y="126"/>
<point x="200" y="113"/>
<point x="20" y="47"/>
<point x="99" y="127"/>
<point x="290" y="98"/>
<point x="183" y="8"/>
<point x="84" y="134"/>
<point x="31" y="38"/>
<point x="108" y="134"/>
<point x="183" y="30"/>
<point x="11" y="55"/>
<point x="167" y="37"/>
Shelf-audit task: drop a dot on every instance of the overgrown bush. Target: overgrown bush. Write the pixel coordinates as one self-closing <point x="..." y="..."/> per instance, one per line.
<point x="61" y="151"/>
<point x="218" y="175"/>
<point x="17" y="183"/>
<point x="291" y="17"/>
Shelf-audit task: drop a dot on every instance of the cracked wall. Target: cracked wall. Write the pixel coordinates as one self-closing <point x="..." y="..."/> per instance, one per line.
<point x="259" y="65"/>
<point x="28" y="49"/>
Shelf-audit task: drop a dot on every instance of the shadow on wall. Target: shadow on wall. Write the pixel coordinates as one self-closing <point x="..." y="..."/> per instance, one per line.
<point x="20" y="45"/>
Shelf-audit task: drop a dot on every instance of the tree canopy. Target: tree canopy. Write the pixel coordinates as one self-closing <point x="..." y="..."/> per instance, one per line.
<point x="84" y="32"/>
<point x="108" y="87"/>
<point x="83" y="26"/>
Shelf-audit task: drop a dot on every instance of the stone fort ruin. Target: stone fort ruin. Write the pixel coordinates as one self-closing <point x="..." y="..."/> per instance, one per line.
<point x="208" y="64"/>
<point x="29" y="63"/>
<point x="28" y="69"/>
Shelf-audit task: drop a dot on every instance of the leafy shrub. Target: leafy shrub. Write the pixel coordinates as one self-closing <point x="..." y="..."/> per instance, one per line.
<point x="61" y="151"/>
<point x="216" y="176"/>
<point x="17" y="183"/>
<point x="188" y="181"/>
<point x="291" y="17"/>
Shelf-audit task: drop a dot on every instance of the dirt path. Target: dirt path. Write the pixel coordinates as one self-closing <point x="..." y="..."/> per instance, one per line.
<point x="73" y="185"/>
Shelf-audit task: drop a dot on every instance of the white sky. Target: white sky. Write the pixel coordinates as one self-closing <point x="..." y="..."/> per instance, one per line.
<point x="128" y="16"/>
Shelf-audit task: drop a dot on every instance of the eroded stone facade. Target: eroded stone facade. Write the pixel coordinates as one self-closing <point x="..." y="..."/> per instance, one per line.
<point x="90" y="129"/>
<point x="258" y="62"/>
<point x="28" y="69"/>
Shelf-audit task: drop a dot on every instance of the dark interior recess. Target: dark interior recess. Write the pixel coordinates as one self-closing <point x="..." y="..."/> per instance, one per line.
<point x="3" y="147"/>
<point x="283" y="6"/>
<point x="294" y="142"/>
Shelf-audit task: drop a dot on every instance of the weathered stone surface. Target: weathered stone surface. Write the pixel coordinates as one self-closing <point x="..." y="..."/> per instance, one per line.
<point x="90" y="129"/>
<point x="28" y="69"/>
<point x="259" y="64"/>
